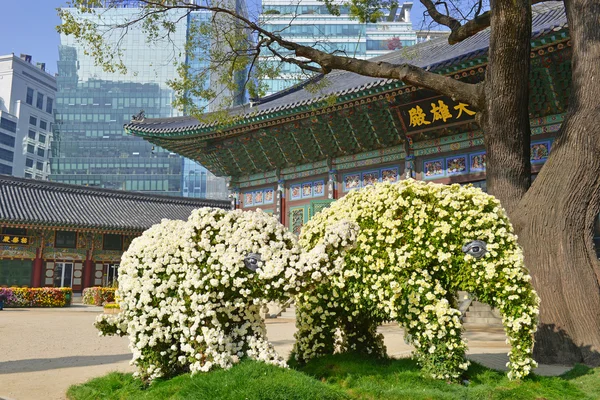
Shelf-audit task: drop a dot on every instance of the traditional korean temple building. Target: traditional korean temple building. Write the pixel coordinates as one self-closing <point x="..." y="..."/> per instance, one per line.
<point x="294" y="152"/>
<point x="53" y="234"/>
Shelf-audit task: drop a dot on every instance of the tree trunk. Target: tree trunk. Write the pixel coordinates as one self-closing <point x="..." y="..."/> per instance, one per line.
<point x="555" y="219"/>
<point x="505" y="119"/>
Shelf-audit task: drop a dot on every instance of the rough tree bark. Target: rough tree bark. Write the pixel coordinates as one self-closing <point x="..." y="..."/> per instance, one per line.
<point x="555" y="219"/>
<point x="505" y="118"/>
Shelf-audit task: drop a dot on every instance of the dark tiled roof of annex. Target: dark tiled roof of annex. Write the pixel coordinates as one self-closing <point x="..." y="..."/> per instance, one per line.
<point x="41" y="203"/>
<point x="433" y="55"/>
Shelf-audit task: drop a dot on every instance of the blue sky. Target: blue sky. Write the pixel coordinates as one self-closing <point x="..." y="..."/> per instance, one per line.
<point x="28" y="26"/>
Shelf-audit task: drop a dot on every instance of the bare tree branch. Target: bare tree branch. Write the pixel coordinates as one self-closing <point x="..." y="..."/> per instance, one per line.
<point x="461" y="32"/>
<point x="410" y="74"/>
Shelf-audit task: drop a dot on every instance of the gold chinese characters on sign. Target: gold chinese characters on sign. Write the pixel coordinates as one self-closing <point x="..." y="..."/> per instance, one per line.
<point x="12" y="239"/>
<point x="431" y="113"/>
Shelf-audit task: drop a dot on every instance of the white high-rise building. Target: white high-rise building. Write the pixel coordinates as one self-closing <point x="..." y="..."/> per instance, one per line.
<point x="27" y="98"/>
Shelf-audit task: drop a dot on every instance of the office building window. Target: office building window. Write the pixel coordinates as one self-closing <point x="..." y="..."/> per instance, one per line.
<point x="49" y="102"/>
<point x="66" y="239"/>
<point x="7" y="140"/>
<point x="29" y="99"/>
<point x="39" y="166"/>
<point x="42" y="138"/>
<point x="8" y="125"/>
<point x="32" y="120"/>
<point x="41" y="152"/>
<point x="40" y="101"/>
<point x="6" y="155"/>
<point x="31" y="134"/>
<point x="28" y="175"/>
<point x="5" y="169"/>
<point x="112" y="242"/>
<point x="43" y="125"/>
<point x="30" y="149"/>
<point x="29" y="162"/>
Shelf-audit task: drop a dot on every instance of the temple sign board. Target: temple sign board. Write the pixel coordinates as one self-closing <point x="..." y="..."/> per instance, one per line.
<point x="434" y="112"/>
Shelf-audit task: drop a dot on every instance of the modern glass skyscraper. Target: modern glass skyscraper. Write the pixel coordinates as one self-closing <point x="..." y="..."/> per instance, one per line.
<point x="309" y="22"/>
<point x="90" y="146"/>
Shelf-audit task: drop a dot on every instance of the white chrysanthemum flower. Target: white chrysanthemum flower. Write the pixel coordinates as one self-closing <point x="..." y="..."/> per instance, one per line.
<point x="403" y="260"/>
<point x="188" y="301"/>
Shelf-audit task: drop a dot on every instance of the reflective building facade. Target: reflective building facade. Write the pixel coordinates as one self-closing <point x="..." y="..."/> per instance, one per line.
<point x="90" y="146"/>
<point x="308" y="22"/>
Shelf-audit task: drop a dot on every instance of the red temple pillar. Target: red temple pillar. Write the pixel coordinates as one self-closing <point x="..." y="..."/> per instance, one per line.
<point x="88" y="274"/>
<point x="38" y="269"/>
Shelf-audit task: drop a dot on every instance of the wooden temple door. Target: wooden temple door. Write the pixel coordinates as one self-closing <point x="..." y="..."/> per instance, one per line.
<point x="300" y="215"/>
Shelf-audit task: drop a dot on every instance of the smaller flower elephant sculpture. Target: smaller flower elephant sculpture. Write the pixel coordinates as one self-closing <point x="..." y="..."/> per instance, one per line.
<point x="191" y="292"/>
<point x="416" y="245"/>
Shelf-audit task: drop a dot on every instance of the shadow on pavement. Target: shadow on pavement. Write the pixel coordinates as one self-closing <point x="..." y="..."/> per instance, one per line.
<point x="44" y="364"/>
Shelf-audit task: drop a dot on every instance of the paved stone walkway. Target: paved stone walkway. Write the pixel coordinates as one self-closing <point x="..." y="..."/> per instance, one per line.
<point x="44" y="351"/>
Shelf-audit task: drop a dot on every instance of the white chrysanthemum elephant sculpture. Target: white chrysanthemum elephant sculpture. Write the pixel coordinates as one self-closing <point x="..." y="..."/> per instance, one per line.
<point x="191" y="292"/>
<point x="416" y="245"/>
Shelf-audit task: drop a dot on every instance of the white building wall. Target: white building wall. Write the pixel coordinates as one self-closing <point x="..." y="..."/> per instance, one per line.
<point x="34" y="121"/>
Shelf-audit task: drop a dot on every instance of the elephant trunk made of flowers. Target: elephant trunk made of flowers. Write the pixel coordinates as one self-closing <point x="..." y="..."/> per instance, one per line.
<point x="416" y="245"/>
<point x="191" y="292"/>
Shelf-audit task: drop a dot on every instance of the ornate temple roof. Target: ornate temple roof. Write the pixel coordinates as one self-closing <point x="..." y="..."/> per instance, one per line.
<point x="31" y="202"/>
<point x="299" y="110"/>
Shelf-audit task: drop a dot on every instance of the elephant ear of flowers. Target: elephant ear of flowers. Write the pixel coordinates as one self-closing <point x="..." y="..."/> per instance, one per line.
<point x="416" y="245"/>
<point x="188" y="301"/>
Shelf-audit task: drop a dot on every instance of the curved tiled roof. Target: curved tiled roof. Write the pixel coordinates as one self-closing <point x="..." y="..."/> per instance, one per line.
<point x="42" y="203"/>
<point x="432" y="55"/>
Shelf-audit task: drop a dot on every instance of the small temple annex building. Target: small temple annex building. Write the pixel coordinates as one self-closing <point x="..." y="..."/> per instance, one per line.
<point x="53" y="234"/>
<point x="293" y="153"/>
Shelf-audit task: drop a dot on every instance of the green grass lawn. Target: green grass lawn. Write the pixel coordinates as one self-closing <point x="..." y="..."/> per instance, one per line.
<point x="344" y="376"/>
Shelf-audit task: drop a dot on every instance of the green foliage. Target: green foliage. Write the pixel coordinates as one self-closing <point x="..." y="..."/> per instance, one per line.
<point x="364" y="11"/>
<point x="343" y="376"/>
<point x="247" y="380"/>
<point x="370" y="378"/>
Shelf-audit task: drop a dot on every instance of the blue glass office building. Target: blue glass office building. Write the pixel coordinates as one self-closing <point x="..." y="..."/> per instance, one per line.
<point x="309" y="22"/>
<point x="90" y="146"/>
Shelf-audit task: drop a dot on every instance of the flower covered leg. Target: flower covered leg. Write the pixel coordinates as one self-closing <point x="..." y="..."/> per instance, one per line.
<point x="518" y="304"/>
<point x="360" y="335"/>
<point x="434" y="328"/>
<point x="316" y="334"/>
<point x="254" y="335"/>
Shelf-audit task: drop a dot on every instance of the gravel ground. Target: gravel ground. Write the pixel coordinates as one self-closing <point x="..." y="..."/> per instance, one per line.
<point x="44" y="351"/>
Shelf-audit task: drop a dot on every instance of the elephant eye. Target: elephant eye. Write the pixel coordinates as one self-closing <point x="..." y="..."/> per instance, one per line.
<point x="251" y="261"/>
<point x="476" y="248"/>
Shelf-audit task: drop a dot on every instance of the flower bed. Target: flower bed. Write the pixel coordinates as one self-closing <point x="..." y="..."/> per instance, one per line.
<point x="98" y="296"/>
<point x="37" y="297"/>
